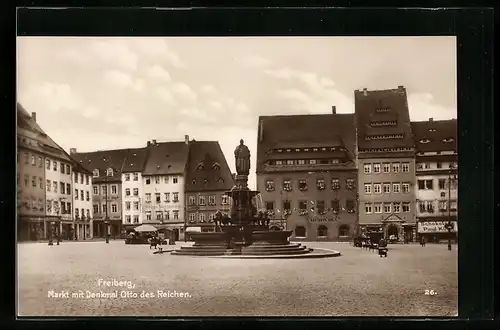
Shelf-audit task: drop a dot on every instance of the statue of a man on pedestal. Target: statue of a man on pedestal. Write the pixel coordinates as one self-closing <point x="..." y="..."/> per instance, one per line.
<point x="242" y="156"/>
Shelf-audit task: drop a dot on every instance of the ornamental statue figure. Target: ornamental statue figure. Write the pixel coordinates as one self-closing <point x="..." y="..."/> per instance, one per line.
<point x="242" y="156"/>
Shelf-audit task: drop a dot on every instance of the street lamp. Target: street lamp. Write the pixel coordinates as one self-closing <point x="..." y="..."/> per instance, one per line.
<point x="106" y="226"/>
<point x="51" y="232"/>
<point x="449" y="226"/>
<point x="58" y="231"/>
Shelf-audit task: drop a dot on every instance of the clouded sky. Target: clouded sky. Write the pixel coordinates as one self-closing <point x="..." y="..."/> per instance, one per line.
<point x="107" y="93"/>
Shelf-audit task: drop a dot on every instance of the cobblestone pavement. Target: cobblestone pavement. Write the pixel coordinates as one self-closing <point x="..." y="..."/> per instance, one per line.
<point x="359" y="283"/>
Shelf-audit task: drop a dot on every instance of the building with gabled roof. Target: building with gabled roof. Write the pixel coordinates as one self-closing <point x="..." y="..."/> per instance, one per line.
<point x="207" y="179"/>
<point x="307" y="174"/>
<point x="437" y="178"/>
<point x="386" y="162"/>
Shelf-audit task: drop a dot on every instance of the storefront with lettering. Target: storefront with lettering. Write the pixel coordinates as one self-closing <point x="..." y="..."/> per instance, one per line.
<point x="320" y="228"/>
<point x="435" y="231"/>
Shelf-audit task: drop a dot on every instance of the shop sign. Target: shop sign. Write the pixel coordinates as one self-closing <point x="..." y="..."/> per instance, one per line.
<point x="318" y="219"/>
<point x="115" y="217"/>
<point x="436" y="227"/>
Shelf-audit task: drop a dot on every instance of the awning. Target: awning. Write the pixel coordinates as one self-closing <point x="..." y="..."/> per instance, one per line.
<point x="193" y="229"/>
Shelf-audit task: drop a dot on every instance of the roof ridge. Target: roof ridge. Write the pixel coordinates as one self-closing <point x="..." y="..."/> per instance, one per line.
<point x="307" y="115"/>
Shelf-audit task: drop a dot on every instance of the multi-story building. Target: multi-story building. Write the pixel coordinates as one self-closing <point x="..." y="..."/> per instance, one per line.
<point x="82" y="201"/>
<point x="386" y="162"/>
<point x="106" y="167"/>
<point x="132" y="188"/>
<point x="306" y="174"/>
<point x="31" y="223"/>
<point x="437" y="177"/>
<point x="208" y="177"/>
<point x="163" y="178"/>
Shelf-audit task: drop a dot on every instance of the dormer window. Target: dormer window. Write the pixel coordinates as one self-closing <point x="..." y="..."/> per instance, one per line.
<point x="315" y="149"/>
<point x="432" y="129"/>
<point x="95" y="173"/>
<point x="200" y="167"/>
<point x="424" y="141"/>
<point x="216" y="166"/>
<point x="280" y="150"/>
<point x="221" y="180"/>
<point x="193" y="181"/>
<point x="109" y="172"/>
<point x="297" y="150"/>
<point x="288" y="150"/>
<point x="306" y="149"/>
<point x="448" y="140"/>
<point x="205" y="181"/>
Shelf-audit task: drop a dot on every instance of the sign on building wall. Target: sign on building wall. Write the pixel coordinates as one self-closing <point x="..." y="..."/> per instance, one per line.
<point x="318" y="219"/>
<point x="436" y="227"/>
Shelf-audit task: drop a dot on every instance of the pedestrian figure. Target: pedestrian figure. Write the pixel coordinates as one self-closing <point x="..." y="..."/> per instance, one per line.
<point x="422" y="241"/>
<point x="382" y="248"/>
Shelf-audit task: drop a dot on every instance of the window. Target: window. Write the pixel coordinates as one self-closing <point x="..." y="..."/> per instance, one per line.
<point x="26" y="158"/>
<point x="62" y="168"/>
<point x="167" y="197"/>
<point x="176" y="197"/>
<point x="439" y="165"/>
<point x="175" y="180"/>
<point x="300" y="231"/>
<point x="396" y="206"/>
<point x="48" y="184"/>
<point x="428" y="184"/>
<point x="109" y="172"/>
<point x="87" y="196"/>
<point x="368" y="208"/>
<point x="201" y="200"/>
<point x="40" y="162"/>
<point x="81" y="195"/>
<point x="104" y="208"/>
<point x="136" y="176"/>
<point x="54" y="165"/>
<point x="127" y="218"/>
<point x="287" y="205"/>
<point x="270" y="206"/>
<point x="321" y="207"/>
<point x="335" y="206"/>
<point x="289" y="162"/>
<point x="77" y="213"/>
<point x="76" y="177"/>
<point x="406" y="167"/>
<point x="127" y="192"/>
<point x="148" y="215"/>
<point x="87" y="180"/>
<point x="202" y="217"/>
<point x="350" y="206"/>
<point x="269" y="185"/>
<point x="47" y="162"/>
<point x="104" y="190"/>
<point x="395" y="167"/>
<point x="167" y="215"/>
<point x="95" y="190"/>
<point x="157" y="179"/>
<point x="396" y="188"/>
<point x="224" y="199"/>
<point x="377" y="188"/>
<point x="427" y="166"/>
<point x="192" y="217"/>
<point x="335" y="184"/>
<point x="96" y="208"/>
<point x="301" y="161"/>
<point x="114" y="189"/>
<point x="148" y="180"/>
<point x="95" y="173"/>
<point x="312" y="161"/>
<point x="287" y="185"/>
<point x="350" y="184"/>
<point x="68" y="171"/>
<point x="406" y="188"/>
<point x="387" y="188"/>
<point x="406" y="207"/>
<point x="442" y="184"/>
<point x="386" y="167"/>
<point x="377" y="208"/>
<point x="159" y="215"/>
<point x="76" y="194"/>
<point x="114" y="208"/>
<point x="367" y="168"/>
<point x="33" y="160"/>
<point x="136" y="218"/>
<point x="158" y="198"/>
<point x="303" y="184"/>
<point x="387" y="207"/>
<point x="368" y="188"/>
<point x="136" y="206"/>
<point x="211" y="200"/>
<point x="279" y="162"/>
<point x="127" y="177"/>
<point x="344" y="231"/>
<point x="63" y="188"/>
<point x="88" y="214"/>
<point x="322" y="231"/>
<point x="376" y="168"/>
<point x="176" y="214"/>
<point x="55" y="185"/>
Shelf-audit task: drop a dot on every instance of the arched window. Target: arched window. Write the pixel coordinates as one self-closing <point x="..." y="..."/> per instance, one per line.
<point x="322" y="231"/>
<point x="216" y="166"/>
<point x="95" y="173"/>
<point x="300" y="231"/>
<point x="344" y="231"/>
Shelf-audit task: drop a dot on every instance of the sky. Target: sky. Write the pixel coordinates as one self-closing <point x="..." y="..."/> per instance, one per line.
<point x="110" y="93"/>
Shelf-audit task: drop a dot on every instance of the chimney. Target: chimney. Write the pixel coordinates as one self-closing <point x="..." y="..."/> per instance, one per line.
<point x="186" y="139"/>
<point x="431" y="119"/>
<point x="148" y="144"/>
<point x="154" y="141"/>
<point x="334" y="109"/>
<point x="401" y="88"/>
<point x="365" y="92"/>
<point x="72" y="151"/>
<point x="33" y="116"/>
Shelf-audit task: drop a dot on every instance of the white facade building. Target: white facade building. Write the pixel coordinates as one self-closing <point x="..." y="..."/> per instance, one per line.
<point x="82" y="203"/>
<point x="58" y="198"/>
<point x="133" y="196"/>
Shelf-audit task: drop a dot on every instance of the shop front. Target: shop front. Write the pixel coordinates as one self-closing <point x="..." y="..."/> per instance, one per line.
<point x="31" y="228"/>
<point x="436" y="231"/>
<point x="375" y="231"/>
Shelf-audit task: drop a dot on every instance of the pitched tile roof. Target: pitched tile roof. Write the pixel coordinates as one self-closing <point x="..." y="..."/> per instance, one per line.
<point x="166" y="158"/>
<point x="395" y="101"/>
<point x="45" y="145"/>
<point x="202" y="172"/>
<point x="120" y="160"/>
<point x="305" y="131"/>
<point x="430" y="136"/>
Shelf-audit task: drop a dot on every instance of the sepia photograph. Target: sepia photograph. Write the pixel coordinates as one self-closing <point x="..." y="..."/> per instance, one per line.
<point x="237" y="176"/>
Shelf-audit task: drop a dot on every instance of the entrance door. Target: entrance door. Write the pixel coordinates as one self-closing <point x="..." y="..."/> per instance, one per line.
<point x="176" y="234"/>
<point x="392" y="230"/>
